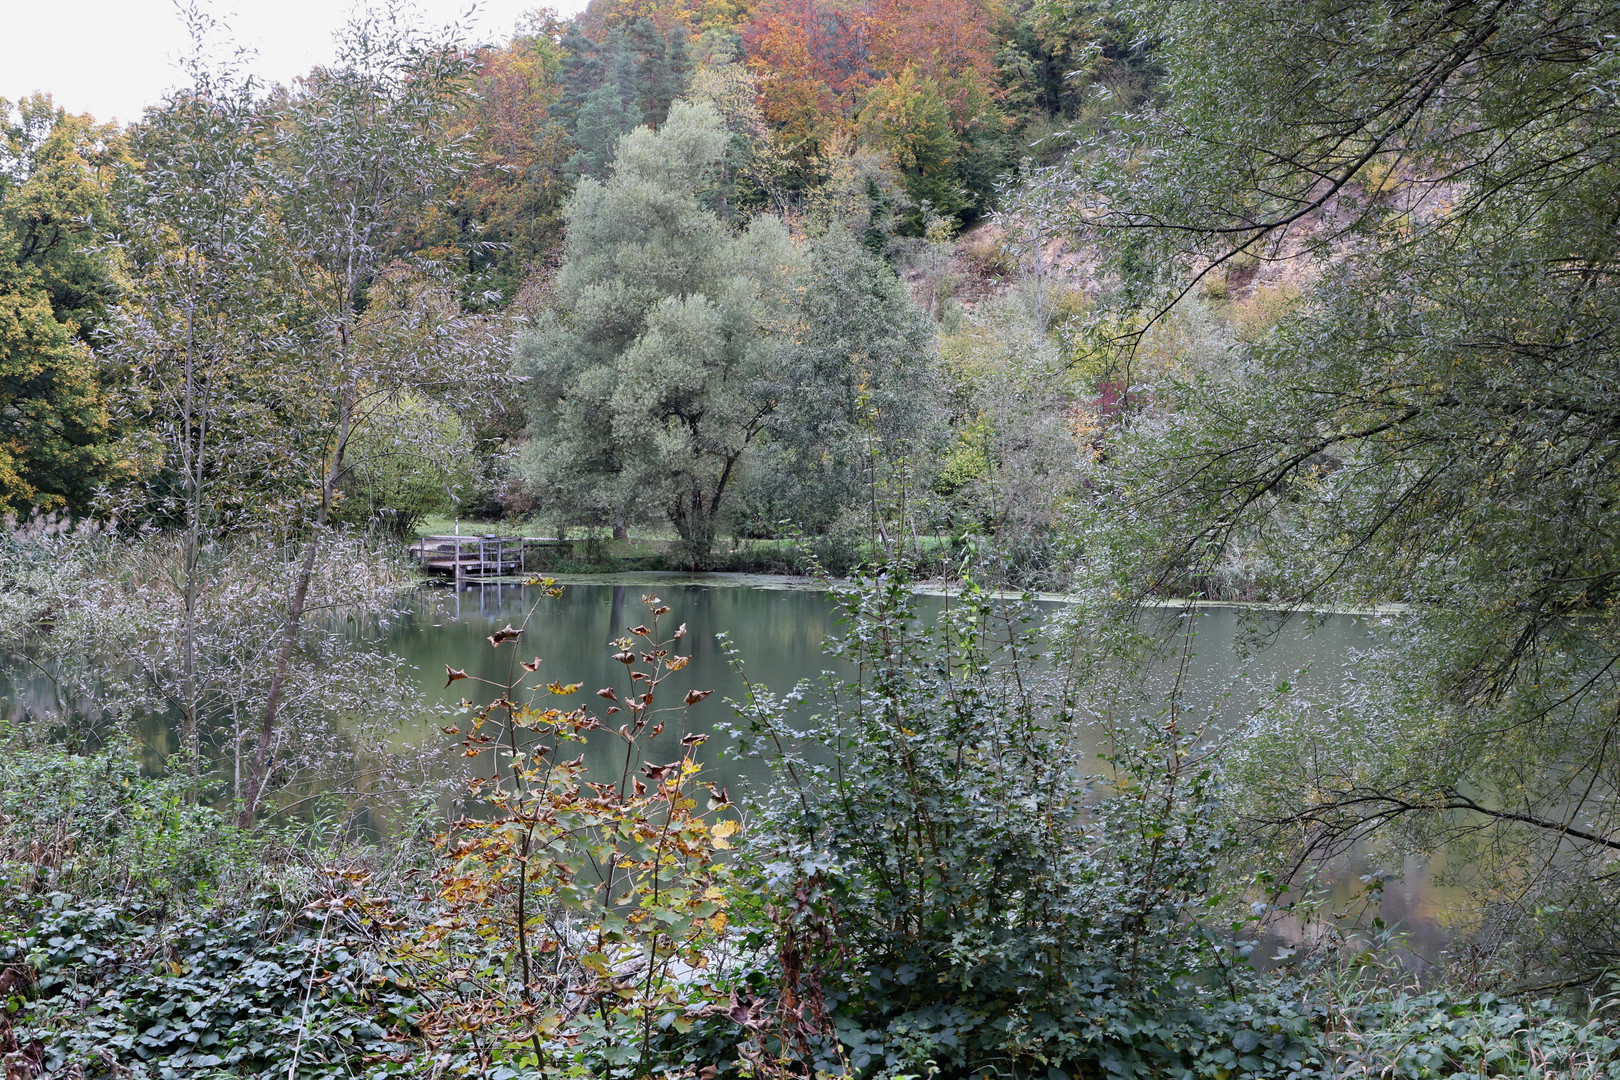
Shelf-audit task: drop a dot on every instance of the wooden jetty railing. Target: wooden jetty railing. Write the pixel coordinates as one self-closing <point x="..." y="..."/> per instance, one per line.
<point x="477" y="556"/>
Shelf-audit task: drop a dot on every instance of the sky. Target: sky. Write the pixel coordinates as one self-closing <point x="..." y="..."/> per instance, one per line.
<point x="112" y="58"/>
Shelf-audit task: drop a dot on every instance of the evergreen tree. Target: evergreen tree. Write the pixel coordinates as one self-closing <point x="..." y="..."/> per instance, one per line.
<point x="609" y="89"/>
<point x="582" y="69"/>
<point x="604" y="117"/>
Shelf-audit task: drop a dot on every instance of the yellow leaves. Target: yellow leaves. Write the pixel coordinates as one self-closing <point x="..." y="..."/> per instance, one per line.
<point x="547" y="586"/>
<point x="632" y="859"/>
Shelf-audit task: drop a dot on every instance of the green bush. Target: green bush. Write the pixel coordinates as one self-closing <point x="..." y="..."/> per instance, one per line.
<point x="937" y="883"/>
<point x="945" y="886"/>
<point x="962" y="897"/>
<point x="238" y="996"/>
<point x="405" y="462"/>
<point x="95" y="826"/>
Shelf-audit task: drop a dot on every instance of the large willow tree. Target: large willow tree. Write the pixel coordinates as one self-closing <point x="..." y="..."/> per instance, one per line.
<point x="1437" y="424"/>
<point x="680" y="348"/>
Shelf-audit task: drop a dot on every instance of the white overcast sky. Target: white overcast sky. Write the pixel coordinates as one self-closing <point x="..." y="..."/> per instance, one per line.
<point x="112" y="58"/>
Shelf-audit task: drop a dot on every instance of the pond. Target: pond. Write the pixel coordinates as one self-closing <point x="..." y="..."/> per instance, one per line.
<point x="779" y="627"/>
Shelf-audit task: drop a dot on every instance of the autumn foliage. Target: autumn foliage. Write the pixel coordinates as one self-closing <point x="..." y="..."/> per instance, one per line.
<point x="817" y="59"/>
<point x="580" y="907"/>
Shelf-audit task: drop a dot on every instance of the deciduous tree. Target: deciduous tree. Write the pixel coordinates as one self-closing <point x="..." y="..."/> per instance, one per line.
<point x="1434" y="425"/>
<point x="58" y="271"/>
<point x="650" y="381"/>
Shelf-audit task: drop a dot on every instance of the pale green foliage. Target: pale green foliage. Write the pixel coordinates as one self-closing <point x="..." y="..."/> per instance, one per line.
<point x="1433" y="423"/>
<point x="857" y="393"/>
<point x="405" y="460"/>
<point x="679" y="346"/>
<point x="647" y="383"/>
<point x="1012" y="467"/>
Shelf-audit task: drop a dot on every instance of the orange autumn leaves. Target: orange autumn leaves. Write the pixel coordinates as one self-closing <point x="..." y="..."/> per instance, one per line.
<point x="821" y="63"/>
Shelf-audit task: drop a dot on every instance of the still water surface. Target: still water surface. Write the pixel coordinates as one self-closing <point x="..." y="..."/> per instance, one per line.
<point x="779" y="631"/>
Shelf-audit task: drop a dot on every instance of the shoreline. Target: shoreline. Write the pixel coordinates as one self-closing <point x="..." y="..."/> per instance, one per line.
<point x="723" y="579"/>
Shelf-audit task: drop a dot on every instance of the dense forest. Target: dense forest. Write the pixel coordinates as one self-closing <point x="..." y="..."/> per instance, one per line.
<point x="867" y="139"/>
<point x="1301" y="313"/>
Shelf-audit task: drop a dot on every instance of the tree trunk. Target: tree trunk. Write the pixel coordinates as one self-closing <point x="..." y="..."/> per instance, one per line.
<point x="259" y="770"/>
<point x="259" y="774"/>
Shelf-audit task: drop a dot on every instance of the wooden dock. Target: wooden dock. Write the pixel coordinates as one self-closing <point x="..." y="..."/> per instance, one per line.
<point x="463" y="557"/>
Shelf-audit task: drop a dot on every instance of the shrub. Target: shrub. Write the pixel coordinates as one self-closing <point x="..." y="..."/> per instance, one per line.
<point x="952" y="893"/>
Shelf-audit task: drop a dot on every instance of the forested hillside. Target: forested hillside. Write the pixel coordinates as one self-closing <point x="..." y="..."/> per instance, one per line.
<point x="898" y="124"/>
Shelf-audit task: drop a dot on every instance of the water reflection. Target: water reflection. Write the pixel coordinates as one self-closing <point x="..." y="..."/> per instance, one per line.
<point x="779" y="632"/>
<point x="1233" y="666"/>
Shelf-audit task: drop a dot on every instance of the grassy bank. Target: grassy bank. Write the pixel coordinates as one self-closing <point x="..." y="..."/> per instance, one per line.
<point x="840" y="556"/>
